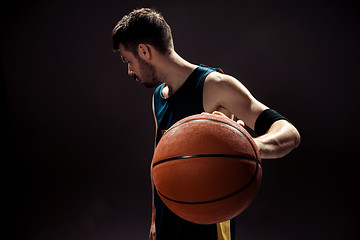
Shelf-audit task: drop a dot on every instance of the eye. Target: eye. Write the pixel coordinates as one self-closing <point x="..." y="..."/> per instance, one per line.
<point x="124" y="60"/>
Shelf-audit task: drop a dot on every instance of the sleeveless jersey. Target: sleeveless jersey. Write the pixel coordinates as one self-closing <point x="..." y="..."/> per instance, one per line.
<point x="186" y="101"/>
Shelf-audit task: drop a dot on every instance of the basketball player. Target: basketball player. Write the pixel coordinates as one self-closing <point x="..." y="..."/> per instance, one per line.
<point x="145" y="43"/>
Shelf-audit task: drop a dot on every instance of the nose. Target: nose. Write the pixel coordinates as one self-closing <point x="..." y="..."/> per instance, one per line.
<point x="130" y="71"/>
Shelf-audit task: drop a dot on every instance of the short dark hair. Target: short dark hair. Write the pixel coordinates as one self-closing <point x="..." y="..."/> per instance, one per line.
<point x="143" y="25"/>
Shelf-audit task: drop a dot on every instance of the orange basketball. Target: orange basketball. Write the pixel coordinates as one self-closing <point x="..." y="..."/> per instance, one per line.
<point x="206" y="168"/>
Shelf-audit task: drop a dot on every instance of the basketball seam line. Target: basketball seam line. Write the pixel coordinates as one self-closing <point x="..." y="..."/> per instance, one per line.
<point x="205" y="155"/>
<point x="214" y="200"/>
<point x="217" y="122"/>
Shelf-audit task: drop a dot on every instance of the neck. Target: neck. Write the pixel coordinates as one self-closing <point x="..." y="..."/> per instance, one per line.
<point x="173" y="70"/>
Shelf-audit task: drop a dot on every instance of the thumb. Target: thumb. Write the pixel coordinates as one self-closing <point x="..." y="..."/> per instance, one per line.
<point x="241" y="122"/>
<point x="219" y="113"/>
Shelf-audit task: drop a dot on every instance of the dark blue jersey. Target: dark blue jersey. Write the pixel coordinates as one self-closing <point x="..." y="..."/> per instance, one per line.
<point x="186" y="101"/>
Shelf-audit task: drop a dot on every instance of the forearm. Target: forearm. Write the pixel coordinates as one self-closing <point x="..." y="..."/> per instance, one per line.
<point x="153" y="211"/>
<point x="152" y="233"/>
<point x="280" y="139"/>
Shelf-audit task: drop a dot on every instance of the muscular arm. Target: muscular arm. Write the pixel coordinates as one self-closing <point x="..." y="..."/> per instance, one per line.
<point x="222" y="91"/>
<point x="152" y="234"/>
<point x="281" y="138"/>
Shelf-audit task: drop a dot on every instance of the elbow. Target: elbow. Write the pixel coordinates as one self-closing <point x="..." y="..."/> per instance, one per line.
<point x="292" y="143"/>
<point x="296" y="138"/>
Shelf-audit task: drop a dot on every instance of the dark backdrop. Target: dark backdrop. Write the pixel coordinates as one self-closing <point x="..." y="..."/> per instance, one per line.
<point x="79" y="132"/>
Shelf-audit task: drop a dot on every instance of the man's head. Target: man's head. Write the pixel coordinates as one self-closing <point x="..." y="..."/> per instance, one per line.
<point x="143" y="26"/>
<point x="141" y="70"/>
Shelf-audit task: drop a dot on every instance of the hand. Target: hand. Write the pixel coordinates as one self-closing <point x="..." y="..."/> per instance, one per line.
<point x="260" y="146"/>
<point x="152" y="234"/>
<point x="241" y="122"/>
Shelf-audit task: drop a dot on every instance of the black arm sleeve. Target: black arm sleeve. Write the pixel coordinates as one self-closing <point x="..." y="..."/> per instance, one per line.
<point x="266" y="119"/>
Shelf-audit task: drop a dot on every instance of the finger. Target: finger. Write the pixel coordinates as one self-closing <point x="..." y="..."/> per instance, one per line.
<point x="219" y="113"/>
<point x="241" y="122"/>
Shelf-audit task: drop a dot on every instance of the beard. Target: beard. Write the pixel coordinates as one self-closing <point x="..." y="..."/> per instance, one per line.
<point x="148" y="76"/>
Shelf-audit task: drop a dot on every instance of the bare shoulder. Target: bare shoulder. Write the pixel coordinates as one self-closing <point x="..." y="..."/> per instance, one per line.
<point x="210" y="92"/>
<point x="216" y="78"/>
<point x="217" y="88"/>
<point x="224" y="85"/>
<point x="222" y="91"/>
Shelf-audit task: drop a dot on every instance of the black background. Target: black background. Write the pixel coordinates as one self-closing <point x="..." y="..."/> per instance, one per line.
<point x="79" y="132"/>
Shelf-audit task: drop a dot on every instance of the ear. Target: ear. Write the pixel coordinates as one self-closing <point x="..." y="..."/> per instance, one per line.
<point x="144" y="51"/>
